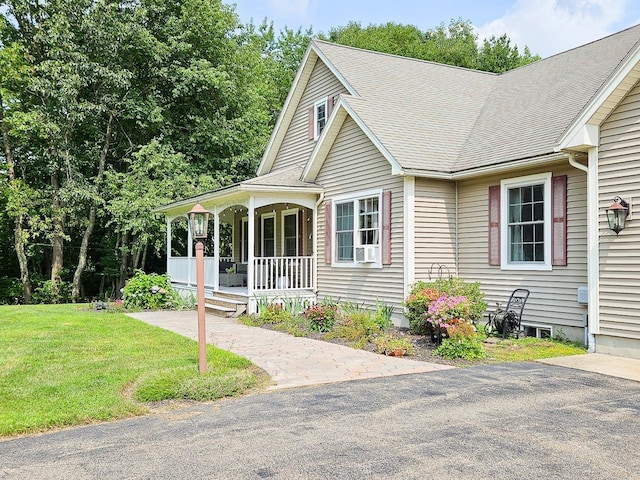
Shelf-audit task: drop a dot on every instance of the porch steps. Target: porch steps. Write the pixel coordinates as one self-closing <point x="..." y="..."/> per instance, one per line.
<point x="225" y="305"/>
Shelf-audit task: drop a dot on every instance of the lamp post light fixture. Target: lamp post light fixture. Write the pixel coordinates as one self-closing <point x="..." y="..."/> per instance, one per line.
<point x="617" y="214"/>
<point x="199" y="220"/>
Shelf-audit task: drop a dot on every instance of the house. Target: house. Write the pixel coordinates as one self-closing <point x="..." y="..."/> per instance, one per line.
<point x="381" y="167"/>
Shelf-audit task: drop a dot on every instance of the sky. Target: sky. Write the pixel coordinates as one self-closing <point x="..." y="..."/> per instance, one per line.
<point x="547" y="27"/>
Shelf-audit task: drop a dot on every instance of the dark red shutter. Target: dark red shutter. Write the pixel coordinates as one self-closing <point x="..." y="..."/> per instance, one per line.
<point x="386" y="228"/>
<point x="494" y="225"/>
<point x="327" y="232"/>
<point x="330" y="104"/>
<point x="559" y="216"/>
<point x="311" y="124"/>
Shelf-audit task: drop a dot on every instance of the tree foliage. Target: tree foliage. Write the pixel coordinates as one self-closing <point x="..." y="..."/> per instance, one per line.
<point x="110" y="108"/>
<point x="453" y="44"/>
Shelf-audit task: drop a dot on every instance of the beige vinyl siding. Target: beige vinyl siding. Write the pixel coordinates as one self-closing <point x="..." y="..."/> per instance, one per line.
<point x="553" y="293"/>
<point x="435" y="228"/>
<point x="619" y="175"/>
<point x="354" y="165"/>
<point x="296" y="145"/>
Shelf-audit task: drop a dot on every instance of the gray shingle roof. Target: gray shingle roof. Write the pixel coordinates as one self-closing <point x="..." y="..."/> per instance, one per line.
<point x="406" y="105"/>
<point x="287" y="178"/>
<point x="436" y="117"/>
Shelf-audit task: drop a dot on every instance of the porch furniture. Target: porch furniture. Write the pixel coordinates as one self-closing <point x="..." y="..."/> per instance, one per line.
<point x="233" y="279"/>
<point x="508" y="320"/>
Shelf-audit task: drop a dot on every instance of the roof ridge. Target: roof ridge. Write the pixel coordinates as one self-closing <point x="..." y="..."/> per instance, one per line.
<point x="402" y="57"/>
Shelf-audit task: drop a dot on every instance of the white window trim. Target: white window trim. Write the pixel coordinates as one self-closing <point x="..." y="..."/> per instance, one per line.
<point x="354" y="197"/>
<point x="284" y="213"/>
<point x="325" y="102"/>
<point x="262" y="237"/>
<point x="244" y="231"/>
<point x="505" y="185"/>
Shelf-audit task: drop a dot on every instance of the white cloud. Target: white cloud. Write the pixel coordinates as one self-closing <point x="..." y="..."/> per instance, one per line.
<point x="548" y="27"/>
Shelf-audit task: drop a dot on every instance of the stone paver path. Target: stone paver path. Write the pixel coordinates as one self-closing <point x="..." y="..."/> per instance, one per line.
<point x="291" y="361"/>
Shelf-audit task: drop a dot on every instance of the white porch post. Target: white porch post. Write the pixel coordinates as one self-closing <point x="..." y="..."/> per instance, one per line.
<point x="216" y="248"/>
<point x="251" y="245"/>
<point x="169" y="220"/>
<point x="189" y="254"/>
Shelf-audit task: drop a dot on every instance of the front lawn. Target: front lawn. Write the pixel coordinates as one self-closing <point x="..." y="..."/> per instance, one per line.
<point x="68" y="365"/>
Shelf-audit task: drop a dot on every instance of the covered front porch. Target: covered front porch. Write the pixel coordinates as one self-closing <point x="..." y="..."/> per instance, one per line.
<point x="261" y="242"/>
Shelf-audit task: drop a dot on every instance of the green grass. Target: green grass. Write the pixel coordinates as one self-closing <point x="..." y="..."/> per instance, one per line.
<point x="529" y="348"/>
<point x="66" y="365"/>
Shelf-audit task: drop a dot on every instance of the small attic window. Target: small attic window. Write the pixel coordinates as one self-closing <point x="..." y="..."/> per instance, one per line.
<point x="319" y="117"/>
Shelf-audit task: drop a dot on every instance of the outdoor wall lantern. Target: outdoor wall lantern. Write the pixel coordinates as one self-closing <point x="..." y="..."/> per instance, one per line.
<point x="199" y="222"/>
<point x="617" y="214"/>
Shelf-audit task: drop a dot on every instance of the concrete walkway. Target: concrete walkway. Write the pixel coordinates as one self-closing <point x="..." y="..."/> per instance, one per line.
<point x="291" y="361"/>
<point x="611" y="365"/>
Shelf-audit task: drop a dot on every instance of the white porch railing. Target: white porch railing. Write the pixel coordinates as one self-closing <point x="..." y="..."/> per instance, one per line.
<point x="282" y="273"/>
<point x="183" y="270"/>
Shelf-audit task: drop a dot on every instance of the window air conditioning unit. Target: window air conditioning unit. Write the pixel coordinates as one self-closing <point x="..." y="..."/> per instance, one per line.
<point x="366" y="254"/>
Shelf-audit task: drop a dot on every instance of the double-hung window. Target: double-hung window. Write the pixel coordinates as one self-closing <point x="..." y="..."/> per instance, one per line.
<point x="357" y="229"/>
<point x="526" y="222"/>
<point x="320" y="111"/>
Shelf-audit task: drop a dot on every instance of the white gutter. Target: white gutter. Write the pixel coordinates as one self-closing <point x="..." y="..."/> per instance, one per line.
<point x="488" y="169"/>
<point x="593" y="265"/>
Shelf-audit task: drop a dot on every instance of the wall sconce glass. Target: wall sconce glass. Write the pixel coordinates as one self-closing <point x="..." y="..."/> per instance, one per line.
<point x="617" y="214"/>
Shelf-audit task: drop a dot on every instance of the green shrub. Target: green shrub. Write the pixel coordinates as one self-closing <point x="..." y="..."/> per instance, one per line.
<point x="321" y="317"/>
<point x="274" y="314"/>
<point x="383" y="314"/>
<point x="150" y="291"/>
<point x="11" y="291"/>
<point x="389" y="344"/>
<point x="462" y="343"/>
<point x="356" y="327"/>
<point x="423" y="294"/>
<point x="50" y="292"/>
<point x="469" y="349"/>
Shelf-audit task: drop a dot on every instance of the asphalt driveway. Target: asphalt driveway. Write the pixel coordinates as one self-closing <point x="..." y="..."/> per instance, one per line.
<point x="526" y="420"/>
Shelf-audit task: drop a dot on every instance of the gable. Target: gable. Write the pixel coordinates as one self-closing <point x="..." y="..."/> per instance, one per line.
<point x="289" y="143"/>
<point x="353" y="163"/>
<point x="344" y="110"/>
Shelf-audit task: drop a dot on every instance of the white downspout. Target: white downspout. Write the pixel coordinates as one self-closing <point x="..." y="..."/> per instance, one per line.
<point x="315" y="243"/>
<point x="456" y="253"/>
<point x="593" y="265"/>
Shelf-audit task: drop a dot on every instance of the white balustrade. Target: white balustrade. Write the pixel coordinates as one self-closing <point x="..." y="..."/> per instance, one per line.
<point x="183" y="270"/>
<point x="283" y="273"/>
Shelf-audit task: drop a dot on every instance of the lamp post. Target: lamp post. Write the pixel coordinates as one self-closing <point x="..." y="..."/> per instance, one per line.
<point x="199" y="220"/>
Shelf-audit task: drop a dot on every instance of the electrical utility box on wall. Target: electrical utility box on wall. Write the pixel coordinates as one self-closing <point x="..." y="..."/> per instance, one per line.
<point x="583" y="295"/>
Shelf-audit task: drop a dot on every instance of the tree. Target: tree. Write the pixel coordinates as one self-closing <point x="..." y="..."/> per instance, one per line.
<point x="94" y="92"/>
<point x="453" y="44"/>
<point x="497" y="55"/>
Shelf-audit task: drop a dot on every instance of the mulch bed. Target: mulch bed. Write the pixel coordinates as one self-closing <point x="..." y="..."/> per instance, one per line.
<point x="423" y="346"/>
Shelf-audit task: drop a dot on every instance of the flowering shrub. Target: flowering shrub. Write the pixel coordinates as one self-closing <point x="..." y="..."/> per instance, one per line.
<point x="417" y="304"/>
<point x="321" y="317"/>
<point x="445" y="311"/>
<point x="424" y="294"/>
